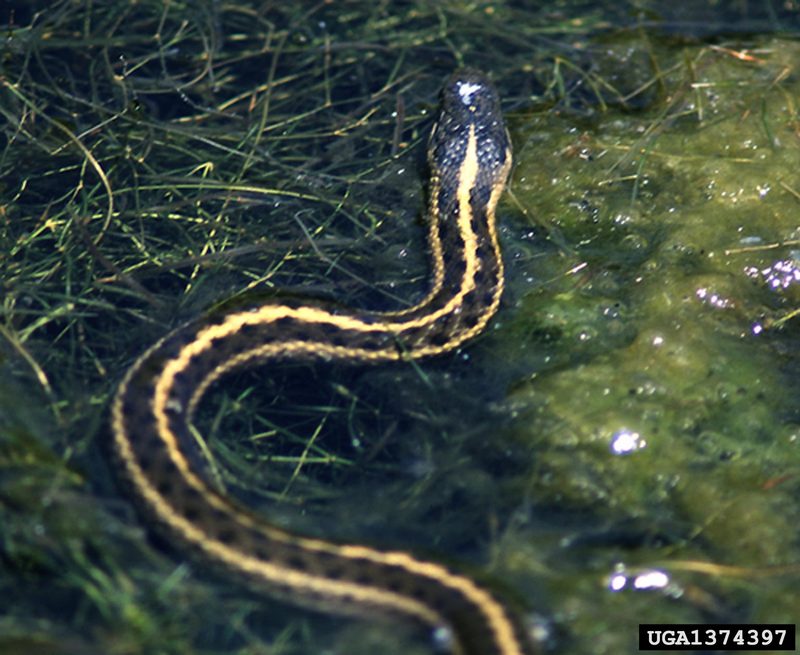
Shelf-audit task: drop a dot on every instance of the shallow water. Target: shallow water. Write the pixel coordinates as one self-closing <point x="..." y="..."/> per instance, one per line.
<point x="621" y="447"/>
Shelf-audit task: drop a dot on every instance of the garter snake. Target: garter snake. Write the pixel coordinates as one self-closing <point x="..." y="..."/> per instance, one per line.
<point x="469" y="155"/>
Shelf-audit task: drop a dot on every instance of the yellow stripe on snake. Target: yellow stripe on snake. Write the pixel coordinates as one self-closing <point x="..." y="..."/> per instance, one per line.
<point x="470" y="157"/>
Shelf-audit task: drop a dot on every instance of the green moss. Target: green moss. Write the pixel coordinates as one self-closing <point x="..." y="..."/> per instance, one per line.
<point x="681" y="219"/>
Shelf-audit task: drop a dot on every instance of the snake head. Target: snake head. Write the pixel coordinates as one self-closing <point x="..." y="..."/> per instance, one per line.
<point x="470" y="105"/>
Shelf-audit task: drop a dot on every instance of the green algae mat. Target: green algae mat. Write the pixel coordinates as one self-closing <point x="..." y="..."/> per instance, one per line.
<point x="621" y="447"/>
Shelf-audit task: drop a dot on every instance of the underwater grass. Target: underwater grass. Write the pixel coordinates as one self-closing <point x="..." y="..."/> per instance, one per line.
<point x="159" y="160"/>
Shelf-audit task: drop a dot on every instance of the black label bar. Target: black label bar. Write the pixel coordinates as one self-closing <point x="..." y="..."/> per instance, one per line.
<point x="717" y="636"/>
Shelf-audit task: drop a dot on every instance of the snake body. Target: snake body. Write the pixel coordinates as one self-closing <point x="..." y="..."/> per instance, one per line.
<point x="470" y="157"/>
